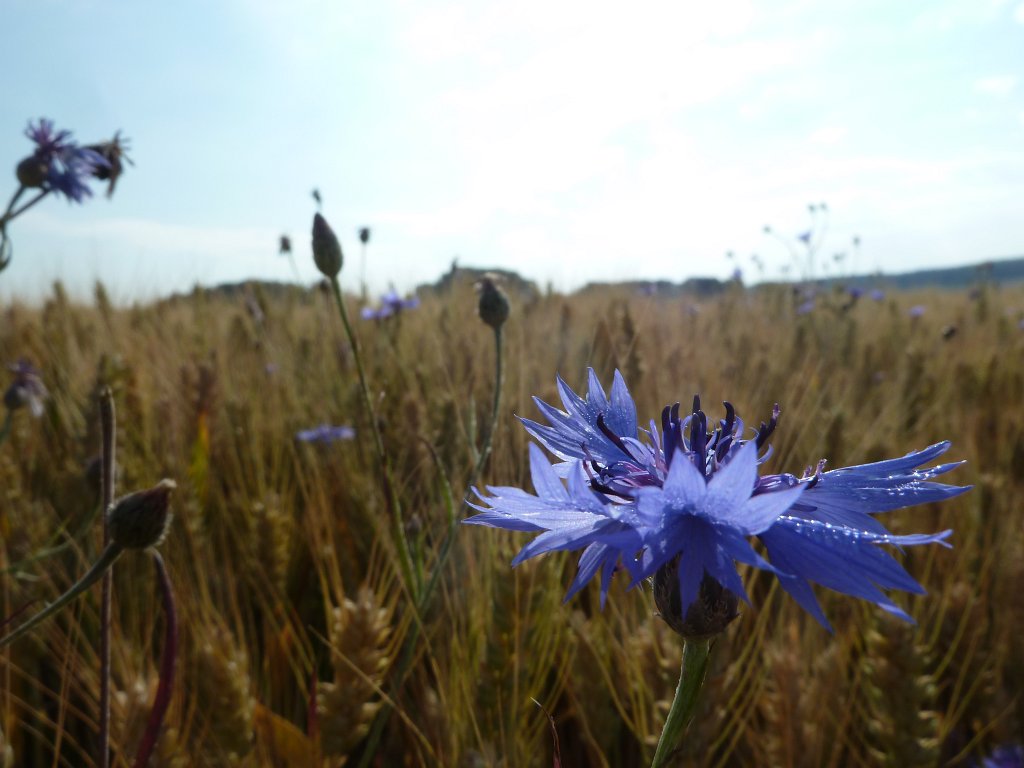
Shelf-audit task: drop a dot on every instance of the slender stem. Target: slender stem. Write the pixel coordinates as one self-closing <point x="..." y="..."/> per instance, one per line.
<point x="13" y="215"/>
<point x="362" y="271"/>
<point x="5" y="428"/>
<point x="100" y="567"/>
<point x="295" y="269"/>
<point x="162" y="700"/>
<point x="691" y="678"/>
<point x="10" y="206"/>
<point x="107" y="423"/>
<point x="401" y="540"/>
<point x="50" y="548"/>
<point x="499" y="382"/>
<point x="442" y="558"/>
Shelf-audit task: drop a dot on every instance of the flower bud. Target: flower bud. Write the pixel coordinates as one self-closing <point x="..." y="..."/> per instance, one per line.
<point x="140" y="520"/>
<point x="493" y="306"/>
<point x="326" y="248"/>
<point x="707" y="616"/>
<point x="32" y="172"/>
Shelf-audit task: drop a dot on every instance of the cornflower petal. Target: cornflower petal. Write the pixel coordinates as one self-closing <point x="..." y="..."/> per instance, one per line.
<point x="596" y="557"/>
<point x="731" y="486"/>
<point x="846" y="560"/>
<point x="545" y="481"/>
<point x="575" y="433"/>
<point x="848" y="496"/>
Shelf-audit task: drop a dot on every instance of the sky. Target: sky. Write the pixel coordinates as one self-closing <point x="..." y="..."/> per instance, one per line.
<point x="571" y="141"/>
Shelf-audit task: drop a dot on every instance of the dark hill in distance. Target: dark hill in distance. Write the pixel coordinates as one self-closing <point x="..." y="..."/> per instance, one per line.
<point x="999" y="272"/>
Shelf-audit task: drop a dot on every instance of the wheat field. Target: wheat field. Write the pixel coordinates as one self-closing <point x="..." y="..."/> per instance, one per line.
<point x="301" y="640"/>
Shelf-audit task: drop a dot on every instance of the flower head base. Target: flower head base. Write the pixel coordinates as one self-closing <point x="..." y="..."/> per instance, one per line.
<point x="27" y="389"/>
<point x="714" y="609"/>
<point x="682" y="502"/>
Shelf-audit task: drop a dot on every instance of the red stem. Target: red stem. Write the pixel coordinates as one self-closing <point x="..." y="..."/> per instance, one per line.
<point x="107" y="423"/>
<point x="167" y="663"/>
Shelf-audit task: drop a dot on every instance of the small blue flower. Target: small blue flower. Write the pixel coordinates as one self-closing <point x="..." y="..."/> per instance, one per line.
<point x="691" y="495"/>
<point x="58" y="164"/>
<point x="391" y="304"/>
<point x="806" y="308"/>
<point x="26" y="389"/>
<point x="877" y="294"/>
<point x="916" y="311"/>
<point x="1006" y="756"/>
<point x="805" y="237"/>
<point x="325" y="433"/>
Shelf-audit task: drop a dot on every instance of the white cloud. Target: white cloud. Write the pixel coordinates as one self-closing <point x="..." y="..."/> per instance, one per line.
<point x="998" y="85"/>
<point x="828" y="135"/>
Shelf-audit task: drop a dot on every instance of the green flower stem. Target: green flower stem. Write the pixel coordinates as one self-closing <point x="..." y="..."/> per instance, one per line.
<point x="108" y="433"/>
<point x="405" y="559"/>
<point x="5" y="428"/>
<point x="499" y="384"/>
<point x="14" y="214"/>
<point x="94" y="574"/>
<point x="10" y="206"/>
<point x="423" y="604"/>
<point x="51" y="547"/>
<point x="691" y="679"/>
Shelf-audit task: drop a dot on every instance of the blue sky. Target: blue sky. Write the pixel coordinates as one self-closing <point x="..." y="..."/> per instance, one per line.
<point x="573" y="141"/>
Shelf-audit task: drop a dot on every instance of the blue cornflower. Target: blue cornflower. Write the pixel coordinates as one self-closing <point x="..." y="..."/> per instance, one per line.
<point x="390" y="304"/>
<point x="917" y="310"/>
<point x="325" y="433"/>
<point x="877" y="294"/>
<point x="806" y="308"/>
<point x="26" y="389"/>
<point x="1007" y="756"/>
<point x="689" y="498"/>
<point x="58" y="164"/>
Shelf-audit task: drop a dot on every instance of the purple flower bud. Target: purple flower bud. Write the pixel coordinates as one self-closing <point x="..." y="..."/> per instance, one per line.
<point x="140" y="520"/>
<point x="493" y="306"/>
<point x="326" y="248"/>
